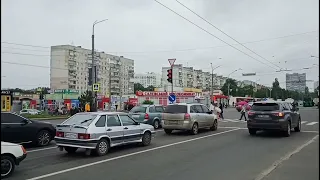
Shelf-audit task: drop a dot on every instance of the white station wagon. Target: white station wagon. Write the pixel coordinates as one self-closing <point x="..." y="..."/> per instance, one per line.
<point x="98" y="131"/>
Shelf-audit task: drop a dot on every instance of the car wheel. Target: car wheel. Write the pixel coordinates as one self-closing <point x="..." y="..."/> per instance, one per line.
<point x="194" y="129"/>
<point x="168" y="131"/>
<point x="156" y="124"/>
<point x="287" y="132"/>
<point x="146" y="139"/>
<point x="43" y="138"/>
<point x="214" y="127"/>
<point x="252" y="131"/>
<point x="102" y="147"/>
<point x="70" y="150"/>
<point x="7" y="166"/>
<point x="298" y="128"/>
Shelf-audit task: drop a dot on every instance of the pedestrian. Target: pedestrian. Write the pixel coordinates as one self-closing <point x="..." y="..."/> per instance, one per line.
<point x="221" y="108"/>
<point x="243" y="112"/>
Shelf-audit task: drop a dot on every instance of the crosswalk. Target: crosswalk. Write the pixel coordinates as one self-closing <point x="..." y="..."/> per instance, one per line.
<point x="242" y="121"/>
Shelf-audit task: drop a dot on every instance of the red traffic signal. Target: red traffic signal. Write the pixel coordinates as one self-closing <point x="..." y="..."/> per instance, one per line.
<point x="169" y="75"/>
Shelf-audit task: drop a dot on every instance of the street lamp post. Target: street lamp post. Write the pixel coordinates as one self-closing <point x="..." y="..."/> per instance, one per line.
<point x="94" y="67"/>
<point x="229" y="78"/>
<point x="212" y="69"/>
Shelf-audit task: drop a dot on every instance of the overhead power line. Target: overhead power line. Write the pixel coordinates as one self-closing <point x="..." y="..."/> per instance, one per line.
<point x="226" y="34"/>
<point x="213" y="34"/>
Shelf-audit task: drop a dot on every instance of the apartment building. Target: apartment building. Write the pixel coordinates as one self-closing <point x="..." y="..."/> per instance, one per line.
<point x="190" y="78"/>
<point x="148" y="79"/>
<point x="69" y="70"/>
<point x="296" y="82"/>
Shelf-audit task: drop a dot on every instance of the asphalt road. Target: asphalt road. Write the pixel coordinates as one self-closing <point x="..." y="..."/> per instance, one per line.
<point x="229" y="153"/>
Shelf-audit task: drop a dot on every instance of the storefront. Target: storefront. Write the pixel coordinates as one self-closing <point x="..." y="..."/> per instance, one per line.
<point x="162" y="97"/>
<point x="6" y="100"/>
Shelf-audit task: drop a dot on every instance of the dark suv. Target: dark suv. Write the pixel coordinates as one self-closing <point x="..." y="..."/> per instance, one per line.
<point x="273" y="116"/>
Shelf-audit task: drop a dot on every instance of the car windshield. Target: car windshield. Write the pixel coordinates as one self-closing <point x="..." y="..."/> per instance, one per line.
<point x="80" y="119"/>
<point x="138" y="109"/>
<point x="265" y="107"/>
<point x="176" y="109"/>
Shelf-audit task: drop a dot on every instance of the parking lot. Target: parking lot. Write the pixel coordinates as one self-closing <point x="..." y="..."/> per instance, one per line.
<point x="228" y="153"/>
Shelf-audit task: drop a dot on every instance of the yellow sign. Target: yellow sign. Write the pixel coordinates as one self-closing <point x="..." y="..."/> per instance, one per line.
<point x="87" y="107"/>
<point x="96" y="87"/>
<point x="5" y="103"/>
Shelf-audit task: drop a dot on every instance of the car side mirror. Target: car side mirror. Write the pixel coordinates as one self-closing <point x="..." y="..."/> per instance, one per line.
<point x="137" y="123"/>
<point x="209" y="112"/>
<point x="25" y="121"/>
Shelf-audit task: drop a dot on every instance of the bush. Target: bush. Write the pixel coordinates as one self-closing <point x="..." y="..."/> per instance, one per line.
<point x="147" y="102"/>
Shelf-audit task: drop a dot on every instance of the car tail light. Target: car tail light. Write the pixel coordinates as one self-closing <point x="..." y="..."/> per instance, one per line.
<point x="23" y="150"/>
<point x="146" y="116"/>
<point x="250" y="113"/>
<point x="83" y="136"/>
<point x="279" y="114"/>
<point x="59" y="134"/>
<point x="186" y="116"/>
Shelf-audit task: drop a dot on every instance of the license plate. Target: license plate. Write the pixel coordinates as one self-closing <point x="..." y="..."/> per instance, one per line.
<point x="173" y="122"/>
<point x="263" y="116"/>
<point x="71" y="135"/>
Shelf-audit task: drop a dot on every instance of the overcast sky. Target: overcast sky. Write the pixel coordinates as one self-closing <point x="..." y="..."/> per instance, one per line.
<point x="148" y="33"/>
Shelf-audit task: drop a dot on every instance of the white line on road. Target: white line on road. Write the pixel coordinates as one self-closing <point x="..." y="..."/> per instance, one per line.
<point x="302" y="122"/>
<point x="42" y="149"/>
<point x="284" y="158"/>
<point x="127" y="155"/>
<point x="231" y="120"/>
<point x="312" y="123"/>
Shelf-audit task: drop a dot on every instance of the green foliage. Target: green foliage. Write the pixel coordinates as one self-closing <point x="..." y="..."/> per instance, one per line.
<point x="139" y="87"/>
<point x="147" y="102"/>
<point x="85" y="98"/>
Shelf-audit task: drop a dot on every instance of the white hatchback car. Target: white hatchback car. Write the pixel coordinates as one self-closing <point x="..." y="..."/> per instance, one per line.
<point x="11" y="155"/>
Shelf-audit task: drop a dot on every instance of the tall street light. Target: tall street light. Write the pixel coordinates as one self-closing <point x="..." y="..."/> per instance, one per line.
<point x="94" y="68"/>
<point x="212" y="69"/>
<point x="229" y="78"/>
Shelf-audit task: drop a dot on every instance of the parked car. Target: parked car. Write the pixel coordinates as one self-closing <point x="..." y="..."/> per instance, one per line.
<point x="193" y="116"/>
<point x="275" y="115"/>
<point x="11" y="156"/>
<point x="30" y="111"/>
<point x="18" y="129"/>
<point x="148" y="114"/>
<point x="99" y="131"/>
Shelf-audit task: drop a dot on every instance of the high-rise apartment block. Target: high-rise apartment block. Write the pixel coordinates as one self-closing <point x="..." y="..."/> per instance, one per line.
<point x="296" y="82"/>
<point x="148" y="79"/>
<point x="69" y="70"/>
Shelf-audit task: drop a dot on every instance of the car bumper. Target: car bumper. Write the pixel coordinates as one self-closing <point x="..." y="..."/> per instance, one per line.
<point x="185" y="125"/>
<point x="88" y="144"/>
<point x="21" y="158"/>
<point x="279" y="125"/>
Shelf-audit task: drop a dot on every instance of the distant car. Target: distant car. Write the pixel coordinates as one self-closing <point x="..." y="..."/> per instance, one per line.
<point x="98" y="131"/>
<point x="18" y="129"/>
<point x="275" y="115"/>
<point x="11" y="156"/>
<point x="148" y="114"/>
<point x="30" y="111"/>
<point x="191" y="117"/>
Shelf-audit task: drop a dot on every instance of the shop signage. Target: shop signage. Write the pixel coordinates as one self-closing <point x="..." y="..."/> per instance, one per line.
<point x="164" y="94"/>
<point x="66" y="91"/>
<point x="5" y="92"/>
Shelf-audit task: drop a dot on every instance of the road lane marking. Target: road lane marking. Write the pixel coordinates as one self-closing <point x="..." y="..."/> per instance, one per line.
<point x="312" y="123"/>
<point x="127" y="155"/>
<point x="302" y="122"/>
<point x="42" y="149"/>
<point x="284" y="158"/>
<point x="231" y="120"/>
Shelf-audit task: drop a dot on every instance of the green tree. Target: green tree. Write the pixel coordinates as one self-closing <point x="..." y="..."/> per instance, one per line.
<point x="85" y="98"/>
<point x="276" y="89"/>
<point x="138" y="87"/>
<point x="149" y="88"/>
<point x="232" y="85"/>
<point x="147" y="102"/>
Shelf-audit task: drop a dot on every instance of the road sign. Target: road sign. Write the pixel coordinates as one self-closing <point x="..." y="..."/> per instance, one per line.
<point x="96" y="87"/>
<point x="171" y="61"/>
<point x="172" y="97"/>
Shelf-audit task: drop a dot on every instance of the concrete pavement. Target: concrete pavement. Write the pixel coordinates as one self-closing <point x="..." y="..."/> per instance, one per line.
<point x="229" y="153"/>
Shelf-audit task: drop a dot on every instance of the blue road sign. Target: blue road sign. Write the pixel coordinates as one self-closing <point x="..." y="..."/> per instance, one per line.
<point x="172" y="97"/>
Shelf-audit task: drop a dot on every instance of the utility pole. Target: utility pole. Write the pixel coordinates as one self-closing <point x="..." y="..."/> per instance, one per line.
<point x="172" y="79"/>
<point x="211" y="92"/>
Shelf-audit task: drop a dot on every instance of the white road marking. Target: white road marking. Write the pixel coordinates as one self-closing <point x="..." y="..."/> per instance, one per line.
<point x="232" y="120"/>
<point x="284" y="158"/>
<point x="127" y="155"/>
<point x="302" y="122"/>
<point x="312" y="123"/>
<point x="42" y="149"/>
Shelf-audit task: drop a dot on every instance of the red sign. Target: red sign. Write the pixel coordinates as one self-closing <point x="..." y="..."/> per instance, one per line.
<point x="164" y="94"/>
<point x="133" y="101"/>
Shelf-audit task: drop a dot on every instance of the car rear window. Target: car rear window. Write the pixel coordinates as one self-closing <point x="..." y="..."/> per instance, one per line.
<point x="176" y="109"/>
<point x="80" y="119"/>
<point x="138" y="109"/>
<point x="265" y="107"/>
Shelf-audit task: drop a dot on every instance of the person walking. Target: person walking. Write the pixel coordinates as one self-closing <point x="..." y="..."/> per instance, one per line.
<point x="243" y="112"/>
<point x="221" y="108"/>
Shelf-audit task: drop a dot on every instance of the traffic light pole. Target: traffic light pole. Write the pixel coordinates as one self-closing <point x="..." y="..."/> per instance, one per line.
<point x="171" y="79"/>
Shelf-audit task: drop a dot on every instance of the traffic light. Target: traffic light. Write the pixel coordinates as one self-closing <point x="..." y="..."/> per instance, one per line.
<point x="169" y="75"/>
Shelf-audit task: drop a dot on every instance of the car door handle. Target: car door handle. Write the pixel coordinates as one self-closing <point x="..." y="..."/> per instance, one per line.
<point x="125" y="128"/>
<point x="109" y="129"/>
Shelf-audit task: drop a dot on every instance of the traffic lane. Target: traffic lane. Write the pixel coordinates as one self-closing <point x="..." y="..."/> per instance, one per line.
<point x="42" y="162"/>
<point x="303" y="165"/>
<point x="234" y="155"/>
